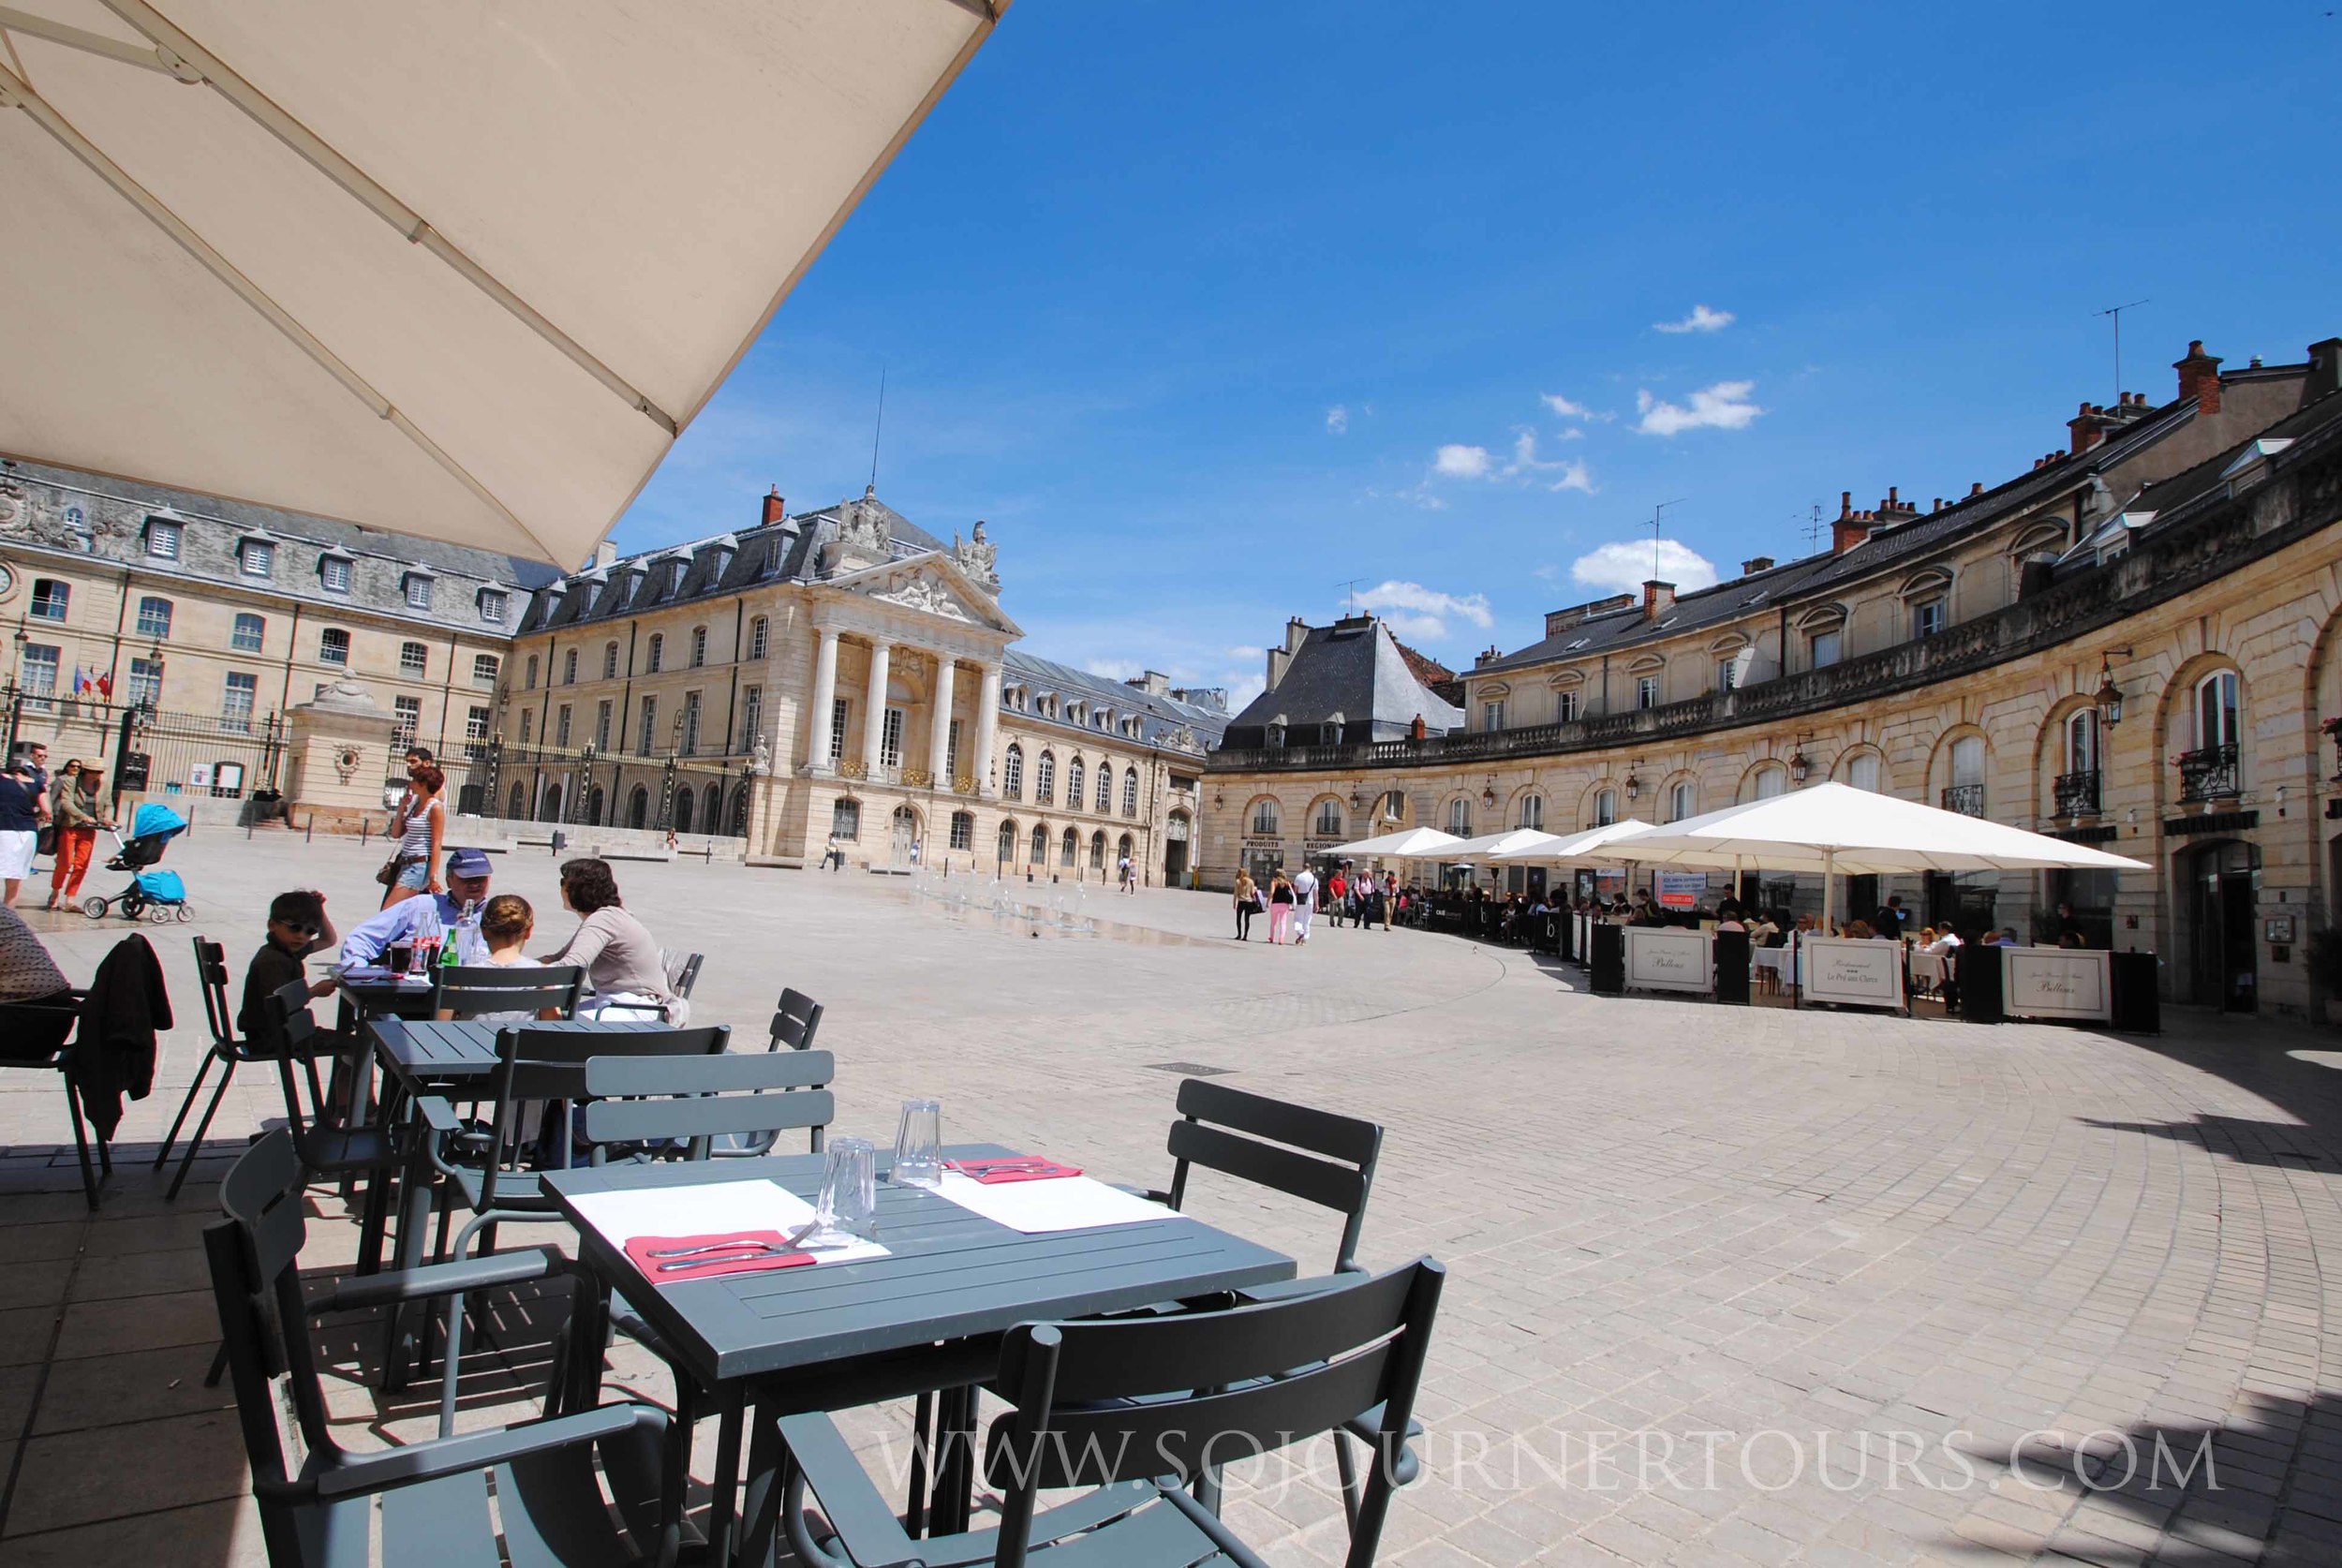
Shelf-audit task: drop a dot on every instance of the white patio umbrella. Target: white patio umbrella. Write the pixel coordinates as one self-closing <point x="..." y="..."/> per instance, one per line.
<point x="1407" y="844"/>
<point x="1582" y="846"/>
<point x="1513" y="842"/>
<point x="1835" y="829"/>
<point x="452" y="268"/>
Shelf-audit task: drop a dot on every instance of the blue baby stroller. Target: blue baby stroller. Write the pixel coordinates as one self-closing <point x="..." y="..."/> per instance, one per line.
<point x="159" y="895"/>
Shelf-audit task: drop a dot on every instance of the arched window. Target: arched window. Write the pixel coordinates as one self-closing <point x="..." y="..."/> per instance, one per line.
<point x="711" y="808"/>
<point x="1073" y="784"/>
<point x="2081" y="741"/>
<point x="1068" y="850"/>
<point x="1861" y="770"/>
<point x="1681" y="795"/>
<point x="1965" y="793"/>
<point x="1395" y="806"/>
<point x="569" y="667"/>
<point x="657" y="653"/>
<point x="1772" y="780"/>
<point x="682" y="810"/>
<point x="2217" y="710"/>
<point x="520" y="800"/>
<point x="1013" y="772"/>
<point x="1129" y="791"/>
<point x="638" y="807"/>
<point x="1533" y="813"/>
<point x="1605" y="807"/>
<point x="760" y="638"/>
<point x="1122" y="849"/>
<point x="594" y="803"/>
<point x="1105" y="788"/>
<point x="549" y="809"/>
<point x="155" y="618"/>
<point x="1097" y="851"/>
<point x="1265" y="818"/>
<point x="1039" y="852"/>
<point x="1459" y="817"/>
<point x="1044" y="779"/>
<point x="1328" y="818"/>
<point x="1004" y="850"/>
<point x="845" y="818"/>
<point x="609" y="661"/>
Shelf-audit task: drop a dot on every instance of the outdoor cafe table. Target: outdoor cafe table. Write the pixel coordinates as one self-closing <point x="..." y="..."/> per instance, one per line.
<point x="926" y="1317"/>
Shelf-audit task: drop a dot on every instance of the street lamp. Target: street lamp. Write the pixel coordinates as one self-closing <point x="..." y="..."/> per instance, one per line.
<point x="2110" y="696"/>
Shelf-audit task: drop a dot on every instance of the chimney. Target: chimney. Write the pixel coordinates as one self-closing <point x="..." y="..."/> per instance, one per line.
<point x="1296" y="634"/>
<point x="1657" y="599"/>
<point x="2325" y="369"/>
<point x="1976" y="487"/>
<point x="1281" y="659"/>
<point x="1845" y="504"/>
<point x="1848" y="531"/>
<point x="2085" y="430"/>
<point x="2200" y="378"/>
<point x="1756" y="564"/>
<point x="606" y="553"/>
<point x="775" y="508"/>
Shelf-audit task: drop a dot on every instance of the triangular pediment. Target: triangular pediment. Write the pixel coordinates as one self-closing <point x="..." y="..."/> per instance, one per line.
<point x="930" y="585"/>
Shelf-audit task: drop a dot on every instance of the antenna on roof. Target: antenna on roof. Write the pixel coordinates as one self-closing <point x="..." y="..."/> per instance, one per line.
<point x="1813" y="527"/>
<point x="1350" y="587"/>
<point x="2116" y="312"/>
<point x="875" y="430"/>
<point x="1656" y="515"/>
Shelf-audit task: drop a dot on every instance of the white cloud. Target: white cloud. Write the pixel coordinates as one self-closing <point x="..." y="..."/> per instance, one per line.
<point x="1621" y="567"/>
<point x="1573" y="475"/>
<point x="1412" y="610"/>
<point x="1457" y="461"/>
<point x="1115" y="669"/>
<point x="1338" y="420"/>
<point x="1568" y="473"/>
<point x="1547" y="572"/>
<point x="1702" y="320"/>
<point x="1566" y="408"/>
<point x="1722" y="407"/>
<point x="1243" y="689"/>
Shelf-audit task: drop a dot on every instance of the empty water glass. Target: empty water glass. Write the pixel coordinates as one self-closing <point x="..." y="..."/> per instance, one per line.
<point x="919" y="1145"/>
<point x="848" y="1206"/>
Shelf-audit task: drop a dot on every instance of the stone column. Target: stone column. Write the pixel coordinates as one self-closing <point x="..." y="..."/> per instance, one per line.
<point x="874" y="718"/>
<point x="824" y="699"/>
<point x="988" y="728"/>
<point x="940" y="727"/>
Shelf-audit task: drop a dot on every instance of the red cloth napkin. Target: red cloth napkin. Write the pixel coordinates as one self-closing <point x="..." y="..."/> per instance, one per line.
<point x="997" y="1169"/>
<point x="708" y="1266"/>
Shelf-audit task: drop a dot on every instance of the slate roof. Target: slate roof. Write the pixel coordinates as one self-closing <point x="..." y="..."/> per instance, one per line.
<point x="1160" y="717"/>
<point x="1354" y="668"/>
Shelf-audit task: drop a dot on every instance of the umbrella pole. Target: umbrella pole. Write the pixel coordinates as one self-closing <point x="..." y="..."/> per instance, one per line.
<point x="1829" y="889"/>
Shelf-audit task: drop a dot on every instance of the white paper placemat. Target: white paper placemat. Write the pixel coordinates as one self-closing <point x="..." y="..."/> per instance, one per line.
<point x="1061" y="1203"/>
<point x="709" y="1209"/>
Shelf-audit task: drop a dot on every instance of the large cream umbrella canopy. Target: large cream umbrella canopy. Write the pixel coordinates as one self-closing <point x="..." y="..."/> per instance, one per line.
<point x="1407" y="844"/>
<point x="1597" y="843"/>
<point x="1837" y="830"/>
<point x="1513" y="843"/>
<point x="451" y="268"/>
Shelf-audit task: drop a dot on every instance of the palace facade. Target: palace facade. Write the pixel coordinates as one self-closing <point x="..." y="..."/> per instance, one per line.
<point x="2130" y="644"/>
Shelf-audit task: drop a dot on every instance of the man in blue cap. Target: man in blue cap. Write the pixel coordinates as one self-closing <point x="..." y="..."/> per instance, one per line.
<point x="468" y="872"/>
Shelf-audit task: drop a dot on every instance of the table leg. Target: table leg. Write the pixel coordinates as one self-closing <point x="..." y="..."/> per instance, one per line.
<point x="418" y="1190"/>
<point x="760" y="1507"/>
<point x="955" y="1471"/>
<point x="724" y="1484"/>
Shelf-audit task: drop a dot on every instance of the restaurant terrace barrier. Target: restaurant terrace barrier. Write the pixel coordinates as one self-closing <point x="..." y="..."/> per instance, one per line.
<point x="2197" y="543"/>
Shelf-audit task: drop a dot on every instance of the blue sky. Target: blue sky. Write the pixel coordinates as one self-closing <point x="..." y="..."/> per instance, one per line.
<point x="1208" y="309"/>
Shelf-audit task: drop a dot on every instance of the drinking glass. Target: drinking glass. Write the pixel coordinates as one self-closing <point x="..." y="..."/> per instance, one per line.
<point x="400" y="956"/>
<point x="919" y="1145"/>
<point x="849" y="1202"/>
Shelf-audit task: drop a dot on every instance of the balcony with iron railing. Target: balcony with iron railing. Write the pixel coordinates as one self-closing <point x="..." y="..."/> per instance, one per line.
<point x="2077" y="793"/>
<point x="2209" y="773"/>
<point x="1966" y="799"/>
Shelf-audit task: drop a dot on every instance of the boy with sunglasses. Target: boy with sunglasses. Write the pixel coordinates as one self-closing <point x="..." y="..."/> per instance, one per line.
<point x="297" y="927"/>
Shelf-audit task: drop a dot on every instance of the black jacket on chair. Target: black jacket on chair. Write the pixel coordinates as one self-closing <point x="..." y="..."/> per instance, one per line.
<point x="114" y="1051"/>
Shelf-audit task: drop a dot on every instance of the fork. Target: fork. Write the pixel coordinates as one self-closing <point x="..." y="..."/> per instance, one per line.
<point x="788" y="1243"/>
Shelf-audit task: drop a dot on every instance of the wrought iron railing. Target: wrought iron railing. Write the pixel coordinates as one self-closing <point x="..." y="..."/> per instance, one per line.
<point x="2208" y="772"/>
<point x="2077" y="793"/>
<point x="1966" y="799"/>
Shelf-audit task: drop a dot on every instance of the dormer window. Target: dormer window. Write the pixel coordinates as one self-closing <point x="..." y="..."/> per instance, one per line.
<point x="418" y="590"/>
<point x="257" y="557"/>
<point x="334" y="573"/>
<point x="493" y="605"/>
<point x="163" y="539"/>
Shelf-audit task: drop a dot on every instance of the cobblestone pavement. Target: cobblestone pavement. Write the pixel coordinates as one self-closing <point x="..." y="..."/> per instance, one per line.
<point x="1727" y="1285"/>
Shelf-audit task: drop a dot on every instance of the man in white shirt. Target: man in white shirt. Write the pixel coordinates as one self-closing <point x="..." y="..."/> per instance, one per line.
<point x="1304" y="904"/>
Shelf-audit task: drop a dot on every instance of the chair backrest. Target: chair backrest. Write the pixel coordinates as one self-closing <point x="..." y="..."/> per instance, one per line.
<point x="1100" y="1401"/>
<point x="795" y="1021"/>
<point x="698" y="1099"/>
<point x="297" y="1026"/>
<point x="1327" y="1159"/>
<point x="472" y="990"/>
<point x="253" y="1254"/>
<point x="539" y="1064"/>
<point x="210" y="974"/>
<point x="683" y="972"/>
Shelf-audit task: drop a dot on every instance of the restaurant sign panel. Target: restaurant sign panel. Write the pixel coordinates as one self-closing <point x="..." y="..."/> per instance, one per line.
<point x="1682" y="889"/>
<point x="1665" y="959"/>
<point x="2056" y="982"/>
<point x="1858" y="973"/>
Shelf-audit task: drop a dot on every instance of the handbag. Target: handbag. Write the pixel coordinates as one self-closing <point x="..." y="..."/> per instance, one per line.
<point x="389" y="874"/>
<point x="45" y="842"/>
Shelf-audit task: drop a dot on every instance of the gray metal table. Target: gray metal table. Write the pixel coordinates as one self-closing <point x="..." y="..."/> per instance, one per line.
<point x="926" y="1317"/>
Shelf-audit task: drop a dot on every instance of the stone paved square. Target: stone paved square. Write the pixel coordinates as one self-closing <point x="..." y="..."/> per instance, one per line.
<point x="1727" y="1285"/>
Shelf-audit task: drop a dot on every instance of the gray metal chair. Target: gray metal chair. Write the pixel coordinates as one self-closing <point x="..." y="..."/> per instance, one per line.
<point x="523" y="991"/>
<point x="795" y="1021"/>
<point x="229" y="1053"/>
<point x="1111" y="1405"/>
<point x="429" y="1502"/>
<point x="683" y="971"/>
<point x="35" y="1034"/>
